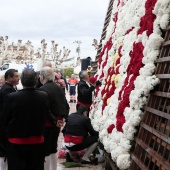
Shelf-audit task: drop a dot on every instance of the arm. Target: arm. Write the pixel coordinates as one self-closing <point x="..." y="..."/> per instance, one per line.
<point x="90" y="128"/>
<point x="66" y="83"/>
<point x="85" y="91"/>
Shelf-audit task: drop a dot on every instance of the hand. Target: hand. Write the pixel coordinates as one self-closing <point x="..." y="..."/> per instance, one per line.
<point x="93" y="84"/>
<point x="60" y="123"/>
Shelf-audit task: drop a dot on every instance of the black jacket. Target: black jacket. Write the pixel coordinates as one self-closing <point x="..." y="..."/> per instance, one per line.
<point x="4" y="91"/>
<point x="57" y="100"/>
<point x="79" y="125"/>
<point x="85" y="92"/>
<point x="25" y="113"/>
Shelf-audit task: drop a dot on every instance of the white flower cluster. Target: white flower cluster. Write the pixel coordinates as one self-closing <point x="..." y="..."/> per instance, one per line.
<point x="117" y="143"/>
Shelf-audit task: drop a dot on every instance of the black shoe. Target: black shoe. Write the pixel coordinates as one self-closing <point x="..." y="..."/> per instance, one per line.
<point x="74" y="101"/>
<point x="68" y="158"/>
<point x="94" y="161"/>
<point x="71" y="101"/>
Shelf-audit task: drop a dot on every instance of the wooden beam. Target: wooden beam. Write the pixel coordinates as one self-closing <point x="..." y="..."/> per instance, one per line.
<point x="156" y="133"/>
<point x="138" y="162"/>
<point x="157" y="112"/>
<point x="154" y="154"/>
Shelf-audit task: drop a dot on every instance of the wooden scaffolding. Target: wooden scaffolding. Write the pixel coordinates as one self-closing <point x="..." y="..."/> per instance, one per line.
<point x="152" y="144"/>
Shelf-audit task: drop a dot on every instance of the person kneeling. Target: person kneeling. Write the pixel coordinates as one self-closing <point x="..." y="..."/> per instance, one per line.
<point x="76" y="135"/>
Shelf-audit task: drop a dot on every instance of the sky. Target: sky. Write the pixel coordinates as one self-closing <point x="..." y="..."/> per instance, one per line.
<point x="64" y="21"/>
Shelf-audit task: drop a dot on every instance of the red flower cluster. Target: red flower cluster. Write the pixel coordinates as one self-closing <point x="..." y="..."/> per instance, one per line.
<point x="110" y="128"/>
<point x="92" y="80"/>
<point x="146" y="22"/>
<point x="133" y="69"/>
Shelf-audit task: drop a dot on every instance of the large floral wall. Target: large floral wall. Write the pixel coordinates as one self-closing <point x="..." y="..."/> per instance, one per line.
<point x="126" y="68"/>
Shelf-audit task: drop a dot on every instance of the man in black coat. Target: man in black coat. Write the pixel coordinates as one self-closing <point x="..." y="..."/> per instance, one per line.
<point x="23" y="119"/>
<point x="85" y="90"/>
<point x="12" y="79"/>
<point x="57" y="103"/>
<point x="76" y="134"/>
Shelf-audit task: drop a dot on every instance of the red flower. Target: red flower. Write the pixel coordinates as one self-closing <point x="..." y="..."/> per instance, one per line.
<point x="110" y="128"/>
<point x="92" y="80"/>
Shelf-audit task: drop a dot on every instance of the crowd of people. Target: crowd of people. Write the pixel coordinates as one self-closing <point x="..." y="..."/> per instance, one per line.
<point x="31" y="119"/>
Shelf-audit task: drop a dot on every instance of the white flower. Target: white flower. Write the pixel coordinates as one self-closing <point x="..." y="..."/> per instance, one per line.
<point x="164" y="21"/>
<point x="123" y="161"/>
<point x="118" y="151"/>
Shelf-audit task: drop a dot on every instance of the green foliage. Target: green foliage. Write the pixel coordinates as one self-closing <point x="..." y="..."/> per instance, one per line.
<point x="68" y="72"/>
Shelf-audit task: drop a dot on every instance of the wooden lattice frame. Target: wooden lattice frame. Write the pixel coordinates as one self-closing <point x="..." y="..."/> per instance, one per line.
<point x="152" y="150"/>
<point x="103" y="35"/>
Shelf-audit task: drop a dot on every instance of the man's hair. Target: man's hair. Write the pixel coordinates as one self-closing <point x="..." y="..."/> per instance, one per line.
<point x="28" y="78"/>
<point x="82" y="74"/>
<point x="82" y="108"/>
<point x="10" y="73"/>
<point x="47" y="73"/>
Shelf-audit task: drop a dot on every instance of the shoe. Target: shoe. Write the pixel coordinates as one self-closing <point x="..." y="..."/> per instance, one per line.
<point x="94" y="161"/>
<point x="76" y="158"/>
<point x="68" y="158"/>
<point x="71" y="101"/>
<point x="74" y="101"/>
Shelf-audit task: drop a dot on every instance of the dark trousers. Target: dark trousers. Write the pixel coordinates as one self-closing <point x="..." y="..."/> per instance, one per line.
<point x="25" y="157"/>
<point x="72" y="90"/>
<point x="51" y="134"/>
<point x="88" y="141"/>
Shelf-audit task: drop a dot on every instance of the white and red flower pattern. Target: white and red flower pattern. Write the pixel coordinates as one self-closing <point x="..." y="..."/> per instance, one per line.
<point x="126" y="67"/>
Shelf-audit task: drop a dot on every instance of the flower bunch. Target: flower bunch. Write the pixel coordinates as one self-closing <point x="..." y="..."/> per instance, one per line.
<point x="126" y="67"/>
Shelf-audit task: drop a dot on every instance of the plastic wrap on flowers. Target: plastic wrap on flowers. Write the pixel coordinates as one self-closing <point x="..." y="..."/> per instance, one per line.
<point x="62" y="153"/>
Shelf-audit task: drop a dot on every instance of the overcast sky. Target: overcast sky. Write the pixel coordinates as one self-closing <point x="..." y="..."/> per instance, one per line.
<point x="61" y="20"/>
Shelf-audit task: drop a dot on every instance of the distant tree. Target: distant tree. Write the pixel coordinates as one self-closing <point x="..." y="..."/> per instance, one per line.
<point x="68" y="72"/>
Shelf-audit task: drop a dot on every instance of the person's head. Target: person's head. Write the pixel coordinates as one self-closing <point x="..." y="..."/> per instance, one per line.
<point x="12" y="77"/>
<point x="28" y="78"/>
<point x="83" y="75"/>
<point x="46" y="74"/>
<point x="83" y="110"/>
<point x="47" y="64"/>
<point x="72" y="76"/>
<point x="2" y="80"/>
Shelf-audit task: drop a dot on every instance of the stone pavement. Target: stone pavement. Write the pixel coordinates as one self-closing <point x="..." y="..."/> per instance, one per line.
<point x="60" y="141"/>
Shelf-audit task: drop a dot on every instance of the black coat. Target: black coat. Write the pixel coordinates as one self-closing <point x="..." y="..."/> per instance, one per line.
<point x="24" y="113"/>
<point x="57" y="100"/>
<point x="84" y="92"/>
<point x="79" y="125"/>
<point x="4" y="91"/>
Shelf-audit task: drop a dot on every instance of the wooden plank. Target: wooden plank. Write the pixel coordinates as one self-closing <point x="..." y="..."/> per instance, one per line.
<point x="164" y="144"/>
<point x="163" y="76"/>
<point x="138" y="162"/>
<point x="157" y="112"/>
<point x="168" y="28"/>
<point x="164" y="59"/>
<point x="167" y="43"/>
<point x="156" y="133"/>
<point x="161" y="94"/>
<point x="162" y="125"/>
<point x="157" y="157"/>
